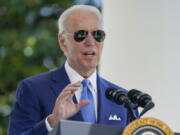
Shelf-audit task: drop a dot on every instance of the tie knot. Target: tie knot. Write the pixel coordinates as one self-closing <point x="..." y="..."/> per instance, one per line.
<point x="85" y="83"/>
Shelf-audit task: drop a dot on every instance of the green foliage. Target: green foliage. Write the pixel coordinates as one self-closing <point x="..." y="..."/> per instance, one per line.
<point x="28" y="45"/>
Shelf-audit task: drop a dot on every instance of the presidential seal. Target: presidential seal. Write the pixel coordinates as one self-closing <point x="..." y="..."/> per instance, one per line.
<point x="147" y="126"/>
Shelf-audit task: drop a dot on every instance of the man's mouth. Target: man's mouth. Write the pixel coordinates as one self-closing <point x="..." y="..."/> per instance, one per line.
<point x="89" y="53"/>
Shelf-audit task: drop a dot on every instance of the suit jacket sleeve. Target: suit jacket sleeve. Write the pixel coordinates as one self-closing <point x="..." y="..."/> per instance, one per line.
<point x="26" y="117"/>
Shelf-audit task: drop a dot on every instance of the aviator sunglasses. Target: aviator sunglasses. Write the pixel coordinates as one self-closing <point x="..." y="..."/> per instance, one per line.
<point x="80" y="35"/>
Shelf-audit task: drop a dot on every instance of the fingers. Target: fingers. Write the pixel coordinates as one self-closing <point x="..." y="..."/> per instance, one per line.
<point x="64" y="96"/>
<point x="72" y="87"/>
<point x="82" y="104"/>
<point x="69" y="91"/>
<point x="64" y="106"/>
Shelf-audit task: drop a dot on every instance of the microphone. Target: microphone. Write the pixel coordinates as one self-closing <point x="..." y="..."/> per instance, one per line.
<point x="141" y="99"/>
<point x="120" y="97"/>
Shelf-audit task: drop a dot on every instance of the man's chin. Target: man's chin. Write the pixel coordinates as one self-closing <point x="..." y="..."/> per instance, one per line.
<point x="91" y="68"/>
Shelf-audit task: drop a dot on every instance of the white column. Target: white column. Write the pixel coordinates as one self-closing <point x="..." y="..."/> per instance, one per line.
<point x="142" y="51"/>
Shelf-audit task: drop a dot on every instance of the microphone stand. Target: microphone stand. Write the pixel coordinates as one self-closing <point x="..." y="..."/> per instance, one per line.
<point x="131" y="113"/>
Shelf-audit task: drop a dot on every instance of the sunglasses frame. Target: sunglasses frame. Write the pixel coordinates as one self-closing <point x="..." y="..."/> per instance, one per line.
<point x="93" y="33"/>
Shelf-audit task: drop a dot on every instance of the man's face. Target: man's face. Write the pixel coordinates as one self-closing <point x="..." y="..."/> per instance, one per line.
<point x="82" y="56"/>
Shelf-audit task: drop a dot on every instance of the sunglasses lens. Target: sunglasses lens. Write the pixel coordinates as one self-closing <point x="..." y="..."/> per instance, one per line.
<point x="99" y="35"/>
<point x="80" y="35"/>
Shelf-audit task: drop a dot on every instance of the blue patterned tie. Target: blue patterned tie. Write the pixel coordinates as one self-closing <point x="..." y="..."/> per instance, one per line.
<point x="88" y="111"/>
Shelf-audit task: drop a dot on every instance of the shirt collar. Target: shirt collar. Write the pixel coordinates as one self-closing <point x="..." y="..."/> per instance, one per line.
<point x="75" y="76"/>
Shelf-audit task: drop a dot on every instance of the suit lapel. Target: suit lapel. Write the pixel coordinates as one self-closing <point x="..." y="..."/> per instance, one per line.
<point x="60" y="81"/>
<point x="107" y="108"/>
<point x="102" y="101"/>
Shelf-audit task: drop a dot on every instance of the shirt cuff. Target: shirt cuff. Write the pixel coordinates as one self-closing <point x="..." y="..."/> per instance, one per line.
<point x="49" y="128"/>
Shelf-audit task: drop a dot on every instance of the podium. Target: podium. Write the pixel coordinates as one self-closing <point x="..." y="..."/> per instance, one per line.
<point x="67" y="127"/>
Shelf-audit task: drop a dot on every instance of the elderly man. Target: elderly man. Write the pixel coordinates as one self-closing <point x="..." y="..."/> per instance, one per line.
<point x="74" y="91"/>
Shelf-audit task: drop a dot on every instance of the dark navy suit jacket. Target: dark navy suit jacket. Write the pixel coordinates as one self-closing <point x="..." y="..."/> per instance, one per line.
<point x="36" y="98"/>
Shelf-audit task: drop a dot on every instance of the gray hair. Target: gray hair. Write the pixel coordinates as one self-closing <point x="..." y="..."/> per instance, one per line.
<point x="62" y="21"/>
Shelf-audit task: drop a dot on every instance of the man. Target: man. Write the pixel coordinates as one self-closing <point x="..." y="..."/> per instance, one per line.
<point x="45" y="99"/>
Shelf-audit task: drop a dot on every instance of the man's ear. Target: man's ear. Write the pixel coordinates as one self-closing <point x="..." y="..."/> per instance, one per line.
<point x="62" y="43"/>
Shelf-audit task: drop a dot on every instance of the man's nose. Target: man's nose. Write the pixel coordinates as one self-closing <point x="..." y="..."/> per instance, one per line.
<point x="90" y="40"/>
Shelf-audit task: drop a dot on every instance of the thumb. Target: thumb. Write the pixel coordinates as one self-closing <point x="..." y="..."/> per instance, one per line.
<point x="82" y="104"/>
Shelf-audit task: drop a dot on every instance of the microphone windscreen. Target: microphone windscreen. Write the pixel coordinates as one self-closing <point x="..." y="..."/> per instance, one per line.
<point x="116" y="95"/>
<point x="133" y="95"/>
<point x="110" y="93"/>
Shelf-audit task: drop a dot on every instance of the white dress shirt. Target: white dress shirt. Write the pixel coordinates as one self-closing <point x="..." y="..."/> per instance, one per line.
<point x="75" y="77"/>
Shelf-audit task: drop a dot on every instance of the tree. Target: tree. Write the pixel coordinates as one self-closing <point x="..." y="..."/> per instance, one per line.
<point x="28" y="45"/>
